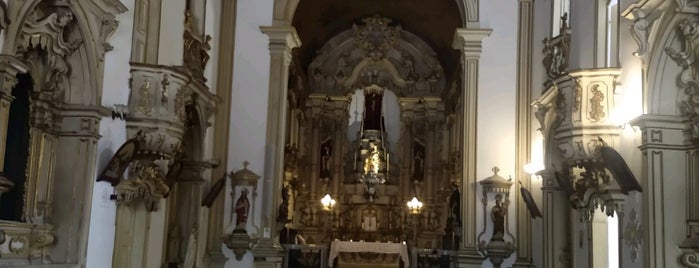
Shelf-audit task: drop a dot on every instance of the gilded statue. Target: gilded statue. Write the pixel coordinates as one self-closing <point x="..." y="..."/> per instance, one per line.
<point x="373" y="161"/>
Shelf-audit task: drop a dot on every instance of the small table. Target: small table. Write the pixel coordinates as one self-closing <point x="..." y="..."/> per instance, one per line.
<point x="376" y="247"/>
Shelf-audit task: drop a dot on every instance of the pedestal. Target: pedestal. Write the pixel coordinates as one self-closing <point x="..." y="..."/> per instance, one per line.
<point x="267" y="254"/>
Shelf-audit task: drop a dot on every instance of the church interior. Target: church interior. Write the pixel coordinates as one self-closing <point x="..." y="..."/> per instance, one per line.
<point x="335" y="133"/>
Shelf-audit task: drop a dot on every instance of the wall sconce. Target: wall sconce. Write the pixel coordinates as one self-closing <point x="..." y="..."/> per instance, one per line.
<point x="414" y="205"/>
<point x="533" y="169"/>
<point x="328" y="202"/>
<point x="120" y="111"/>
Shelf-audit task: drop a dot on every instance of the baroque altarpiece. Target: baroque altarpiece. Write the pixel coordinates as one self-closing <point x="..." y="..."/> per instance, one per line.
<point x="372" y="126"/>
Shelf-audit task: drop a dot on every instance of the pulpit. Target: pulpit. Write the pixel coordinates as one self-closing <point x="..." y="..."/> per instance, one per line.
<point x="368" y="254"/>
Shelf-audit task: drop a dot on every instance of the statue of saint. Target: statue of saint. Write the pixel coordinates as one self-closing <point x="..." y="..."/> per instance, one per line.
<point x="242" y="208"/>
<point x="418" y="165"/>
<point x="497" y="214"/>
<point x="326" y="153"/>
<point x="372" y="110"/>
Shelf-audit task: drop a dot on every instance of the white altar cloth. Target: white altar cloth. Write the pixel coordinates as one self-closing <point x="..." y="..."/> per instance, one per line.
<point x="377" y="247"/>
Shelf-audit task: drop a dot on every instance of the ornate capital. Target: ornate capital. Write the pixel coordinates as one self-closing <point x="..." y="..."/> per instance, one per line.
<point x="282" y="39"/>
<point x="470" y="41"/>
<point x="10" y="66"/>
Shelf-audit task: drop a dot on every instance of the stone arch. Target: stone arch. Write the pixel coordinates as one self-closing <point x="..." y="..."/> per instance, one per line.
<point x="284" y="11"/>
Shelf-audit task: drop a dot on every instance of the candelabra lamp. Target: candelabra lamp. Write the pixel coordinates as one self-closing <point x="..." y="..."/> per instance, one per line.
<point x="414" y="207"/>
<point x="499" y="247"/>
<point x="327" y="203"/>
<point x="244" y="182"/>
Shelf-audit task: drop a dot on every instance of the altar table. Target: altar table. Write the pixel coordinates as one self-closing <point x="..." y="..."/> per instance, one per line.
<point x="375" y="247"/>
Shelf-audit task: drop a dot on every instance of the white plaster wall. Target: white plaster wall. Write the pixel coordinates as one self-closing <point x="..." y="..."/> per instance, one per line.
<point x="171" y="45"/>
<point x="581" y="21"/>
<point x="212" y="27"/>
<point x="497" y="101"/>
<point x="249" y="104"/>
<point x="115" y="91"/>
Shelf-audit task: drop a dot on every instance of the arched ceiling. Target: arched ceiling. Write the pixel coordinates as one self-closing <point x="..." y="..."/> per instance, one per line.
<point x="316" y="21"/>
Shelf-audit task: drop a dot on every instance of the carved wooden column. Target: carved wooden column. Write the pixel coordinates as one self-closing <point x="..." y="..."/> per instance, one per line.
<point x="469" y="42"/>
<point x="9" y="68"/>
<point x="281" y="41"/>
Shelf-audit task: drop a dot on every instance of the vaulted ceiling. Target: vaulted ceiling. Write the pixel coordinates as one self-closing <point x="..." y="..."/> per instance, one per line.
<point x="316" y="21"/>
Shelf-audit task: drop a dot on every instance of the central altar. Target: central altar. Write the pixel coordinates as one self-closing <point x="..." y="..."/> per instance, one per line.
<point x="370" y="131"/>
<point x="368" y="254"/>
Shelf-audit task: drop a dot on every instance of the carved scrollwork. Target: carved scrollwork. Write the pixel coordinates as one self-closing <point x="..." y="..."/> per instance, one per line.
<point x="375" y="53"/>
<point x="687" y="59"/>
<point x="633" y="234"/>
<point x="639" y="31"/>
<point x="688" y="6"/>
<point x="557" y="52"/>
<point x="690" y="259"/>
<point x="376" y="34"/>
<point x="146" y="183"/>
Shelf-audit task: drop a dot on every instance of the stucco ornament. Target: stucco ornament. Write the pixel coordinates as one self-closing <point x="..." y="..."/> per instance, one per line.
<point x="687" y="59"/>
<point x="633" y="234"/>
<point x="380" y="53"/>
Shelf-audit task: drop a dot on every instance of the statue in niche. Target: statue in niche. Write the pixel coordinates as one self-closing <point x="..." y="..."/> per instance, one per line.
<point x="372" y="110"/>
<point x="418" y="162"/>
<point x="497" y="214"/>
<point x="242" y="208"/>
<point x="326" y="151"/>
<point x="283" y="212"/>
<point x="452" y="236"/>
